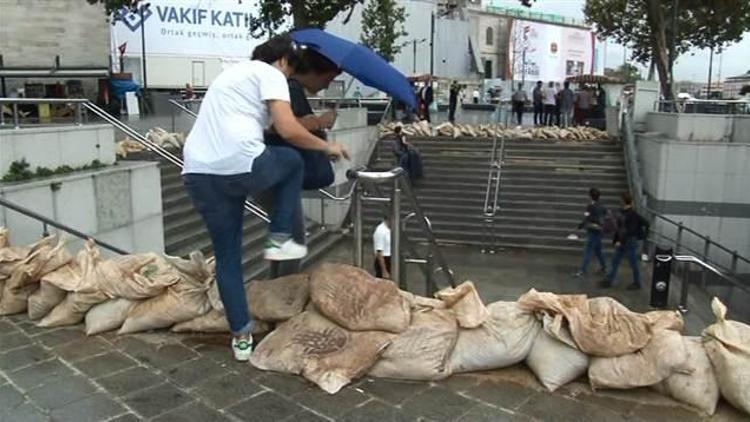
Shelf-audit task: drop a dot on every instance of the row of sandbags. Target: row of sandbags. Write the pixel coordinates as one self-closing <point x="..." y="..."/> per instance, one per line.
<point x="157" y="135"/>
<point x="455" y="130"/>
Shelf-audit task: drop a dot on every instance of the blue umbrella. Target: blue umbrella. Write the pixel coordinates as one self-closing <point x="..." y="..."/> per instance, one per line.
<point x="360" y="62"/>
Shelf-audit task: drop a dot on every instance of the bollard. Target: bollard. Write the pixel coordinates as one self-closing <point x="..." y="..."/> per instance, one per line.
<point x="660" y="277"/>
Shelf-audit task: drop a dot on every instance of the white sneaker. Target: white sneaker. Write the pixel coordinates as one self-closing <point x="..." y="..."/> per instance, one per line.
<point x="285" y="251"/>
<point x="242" y="348"/>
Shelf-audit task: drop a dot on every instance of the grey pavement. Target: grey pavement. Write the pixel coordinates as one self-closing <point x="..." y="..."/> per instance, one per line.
<point x="62" y="375"/>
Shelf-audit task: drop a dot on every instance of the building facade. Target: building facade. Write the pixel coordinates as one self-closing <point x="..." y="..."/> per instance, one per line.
<point x="733" y="85"/>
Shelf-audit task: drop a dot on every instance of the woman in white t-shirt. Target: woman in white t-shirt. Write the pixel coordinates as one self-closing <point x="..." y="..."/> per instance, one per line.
<point x="226" y="160"/>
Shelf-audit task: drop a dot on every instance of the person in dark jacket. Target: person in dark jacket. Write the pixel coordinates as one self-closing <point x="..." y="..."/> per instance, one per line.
<point x="593" y="223"/>
<point x="426" y="95"/>
<point x="407" y="157"/>
<point x="453" y="101"/>
<point x="538" y="99"/>
<point x="631" y="228"/>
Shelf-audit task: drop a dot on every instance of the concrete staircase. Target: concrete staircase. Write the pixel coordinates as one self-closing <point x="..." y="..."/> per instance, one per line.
<point x="544" y="189"/>
<point x="185" y="232"/>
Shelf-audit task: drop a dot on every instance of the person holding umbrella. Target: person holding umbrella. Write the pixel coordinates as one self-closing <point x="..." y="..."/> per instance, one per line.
<point x="226" y="160"/>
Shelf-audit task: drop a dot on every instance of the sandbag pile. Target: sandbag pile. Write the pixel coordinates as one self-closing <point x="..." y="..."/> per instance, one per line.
<point x="456" y="130"/>
<point x="157" y="135"/>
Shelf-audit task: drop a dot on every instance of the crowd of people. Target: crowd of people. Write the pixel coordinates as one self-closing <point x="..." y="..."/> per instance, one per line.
<point x="560" y="106"/>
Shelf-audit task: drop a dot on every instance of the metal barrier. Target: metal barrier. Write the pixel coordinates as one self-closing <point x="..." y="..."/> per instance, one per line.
<point x="695" y="105"/>
<point x="49" y="222"/>
<point x="16" y="115"/>
<point x="492" y="193"/>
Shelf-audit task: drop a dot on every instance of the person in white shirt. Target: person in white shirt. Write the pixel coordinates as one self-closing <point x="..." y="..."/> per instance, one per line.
<point x="226" y="160"/>
<point x="381" y="244"/>
<point x="550" y="101"/>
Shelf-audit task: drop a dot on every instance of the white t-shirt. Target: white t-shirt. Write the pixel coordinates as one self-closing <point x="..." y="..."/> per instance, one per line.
<point x="381" y="239"/>
<point x="549" y="96"/>
<point x="228" y="134"/>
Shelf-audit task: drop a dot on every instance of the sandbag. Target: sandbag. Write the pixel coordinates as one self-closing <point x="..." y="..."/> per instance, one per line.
<point x="663" y="356"/>
<point x="357" y="301"/>
<point x="183" y="301"/>
<point x="600" y="326"/>
<point x="699" y="388"/>
<point x="323" y="352"/>
<point x="72" y="309"/>
<point x="10" y="256"/>
<point x="465" y="302"/>
<point x="44" y="299"/>
<point x="554" y="358"/>
<point x="727" y="344"/>
<point x="423" y="351"/>
<point x="505" y="339"/>
<point x="278" y="299"/>
<point x="135" y="277"/>
<point x="108" y="316"/>
<point x="215" y="322"/>
<point x="417" y="302"/>
<point x="666" y="320"/>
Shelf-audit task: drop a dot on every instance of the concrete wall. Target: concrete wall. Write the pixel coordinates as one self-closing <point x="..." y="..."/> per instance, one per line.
<point x="120" y="205"/>
<point x="700" y="127"/>
<point x="703" y="185"/>
<point x="52" y="147"/>
<point x="646" y="94"/>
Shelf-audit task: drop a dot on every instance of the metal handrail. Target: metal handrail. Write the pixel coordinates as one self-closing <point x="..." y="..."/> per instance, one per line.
<point x="47" y="221"/>
<point x="681" y="105"/>
<point x="181" y="106"/>
<point x="14" y="102"/>
<point x="685" y="284"/>
<point x="496" y="166"/>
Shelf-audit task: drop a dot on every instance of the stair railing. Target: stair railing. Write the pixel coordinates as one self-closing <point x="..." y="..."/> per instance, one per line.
<point x="49" y="222"/>
<point x="492" y="192"/>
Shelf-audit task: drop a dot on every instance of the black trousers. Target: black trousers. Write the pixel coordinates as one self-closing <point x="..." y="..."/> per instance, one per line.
<point x="518" y="109"/>
<point x="549" y="115"/>
<point x="538" y="114"/>
<point x="378" y="272"/>
<point x="452" y="112"/>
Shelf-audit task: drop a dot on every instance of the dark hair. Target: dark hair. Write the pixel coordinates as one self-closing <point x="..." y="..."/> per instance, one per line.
<point x="626" y="198"/>
<point x="314" y="62"/>
<point x="594" y="194"/>
<point x="566" y="84"/>
<point x="280" y="46"/>
<point x="539" y="82"/>
<point x="397" y="130"/>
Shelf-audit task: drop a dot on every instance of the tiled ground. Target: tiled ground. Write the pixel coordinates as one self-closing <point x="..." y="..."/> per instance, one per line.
<point x="62" y="375"/>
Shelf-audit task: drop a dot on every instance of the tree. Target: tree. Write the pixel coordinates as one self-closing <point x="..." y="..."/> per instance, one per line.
<point x="382" y="26"/>
<point x="627" y="73"/>
<point x="745" y="90"/>
<point x="645" y="27"/>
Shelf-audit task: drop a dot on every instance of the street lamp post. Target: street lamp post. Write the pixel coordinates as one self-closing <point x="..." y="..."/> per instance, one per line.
<point x="414" y="43"/>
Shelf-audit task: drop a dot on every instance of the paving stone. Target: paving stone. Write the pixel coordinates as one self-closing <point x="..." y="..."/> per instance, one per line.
<point x="661" y="413"/>
<point x="101" y="365"/>
<point x="437" y="403"/>
<point x="194" y="371"/>
<point x="459" y="382"/>
<point x="228" y="390"/>
<point x="285" y="384"/>
<point x="82" y="349"/>
<point x="60" y="336"/>
<point x="170" y="355"/>
<point x="544" y="405"/>
<point x="40" y="373"/>
<point x="30" y="328"/>
<point x="268" y="406"/>
<point x="13" y="340"/>
<point x="129" y="417"/>
<point x="485" y="413"/>
<point x="25" y="356"/>
<point x="95" y="408"/>
<point x="507" y="395"/>
<point x="192" y="412"/>
<point x="331" y="405"/>
<point x="129" y="381"/>
<point x="10" y="397"/>
<point x="6" y="327"/>
<point x="135" y="348"/>
<point x="306" y="416"/>
<point x="607" y="402"/>
<point x="157" y="399"/>
<point x="392" y="391"/>
<point x="62" y="391"/>
<point x="374" y="411"/>
<point x="26" y="412"/>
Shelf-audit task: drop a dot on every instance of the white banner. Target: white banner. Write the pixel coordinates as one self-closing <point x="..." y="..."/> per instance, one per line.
<point x="197" y="28"/>
<point x="549" y="52"/>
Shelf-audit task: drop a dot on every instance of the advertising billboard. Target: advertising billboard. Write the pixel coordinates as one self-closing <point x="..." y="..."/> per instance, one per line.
<point x="540" y="51"/>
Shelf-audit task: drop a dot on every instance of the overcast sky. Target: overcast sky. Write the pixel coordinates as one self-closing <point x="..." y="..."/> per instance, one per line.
<point x="691" y="66"/>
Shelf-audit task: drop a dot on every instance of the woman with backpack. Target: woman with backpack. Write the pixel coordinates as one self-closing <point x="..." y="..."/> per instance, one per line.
<point x="595" y="220"/>
<point x="631" y="229"/>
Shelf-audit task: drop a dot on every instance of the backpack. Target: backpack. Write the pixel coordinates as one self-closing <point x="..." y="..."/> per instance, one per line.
<point x="609" y="225"/>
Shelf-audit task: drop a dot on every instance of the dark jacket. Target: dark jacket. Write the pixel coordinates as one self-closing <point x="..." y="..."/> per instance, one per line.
<point x="594" y="220"/>
<point x="630" y="224"/>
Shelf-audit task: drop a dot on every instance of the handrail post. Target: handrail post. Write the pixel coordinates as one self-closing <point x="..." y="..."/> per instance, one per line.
<point x="322" y="213"/>
<point x="396" y="273"/>
<point x="79" y="114"/>
<point x="678" y="242"/>
<point x="706" y="246"/>
<point x="734" y="262"/>
<point x="16" y="120"/>
<point x="171" y="109"/>
<point x="357" y="217"/>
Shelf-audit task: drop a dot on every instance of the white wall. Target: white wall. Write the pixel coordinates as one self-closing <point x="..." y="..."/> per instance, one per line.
<point x="700" y="127"/>
<point x="174" y="72"/>
<point x="120" y="205"/>
<point x="52" y="147"/>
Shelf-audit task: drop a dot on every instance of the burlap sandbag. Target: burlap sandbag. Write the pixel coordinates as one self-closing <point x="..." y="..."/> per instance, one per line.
<point x="278" y="299"/>
<point x="44" y="299"/>
<point x="324" y="353"/>
<point x="135" y="277"/>
<point x="663" y="356"/>
<point x="108" y="315"/>
<point x="699" y="388"/>
<point x="554" y="358"/>
<point x="666" y="320"/>
<point x="183" y="301"/>
<point x="420" y="302"/>
<point x="505" y="339"/>
<point x="600" y="326"/>
<point x="465" y="302"/>
<point x="423" y="351"/>
<point x="215" y="322"/>
<point x="10" y="256"/>
<point x="727" y="344"/>
<point x="357" y="301"/>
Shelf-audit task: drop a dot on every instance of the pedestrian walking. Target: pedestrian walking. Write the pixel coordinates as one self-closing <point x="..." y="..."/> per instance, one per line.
<point x="519" y="103"/>
<point x="538" y="97"/>
<point x="631" y="229"/>
<point x="550" y="99"/>
<point x="426" y="94"/>
<point x="381" y="245"/>
<point x="453" y="101"/>
<point x="567" y="99"/>
<point x="594" y="224"/>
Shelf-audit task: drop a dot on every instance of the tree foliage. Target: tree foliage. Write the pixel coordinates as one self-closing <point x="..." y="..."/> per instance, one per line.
<point x="382" y="26"/>
<point x="626" y="72"/>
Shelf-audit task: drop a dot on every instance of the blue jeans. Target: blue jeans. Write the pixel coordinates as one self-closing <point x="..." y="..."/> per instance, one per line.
<point x="630" y="248"/>
<point x="593" y="247"/>
<point x="220" y="201"/>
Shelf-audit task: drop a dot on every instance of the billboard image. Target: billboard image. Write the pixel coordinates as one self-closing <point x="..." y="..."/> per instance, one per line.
<point x="540" y="51"/>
